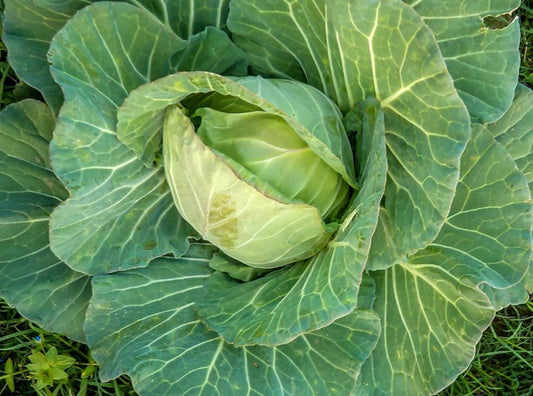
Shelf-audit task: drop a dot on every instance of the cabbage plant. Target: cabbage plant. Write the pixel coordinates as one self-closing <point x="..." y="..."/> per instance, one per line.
<point x="264" y="197"/>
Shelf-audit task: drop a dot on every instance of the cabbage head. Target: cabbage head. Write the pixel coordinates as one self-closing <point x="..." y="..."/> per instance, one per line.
<point x="253" y="180"/>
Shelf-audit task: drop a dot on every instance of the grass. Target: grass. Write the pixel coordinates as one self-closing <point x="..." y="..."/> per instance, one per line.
<point x="19" y="339"/>
<point x="526" y="46"/>
<point x="503" y="364"/>
<point x="7" y="79"/>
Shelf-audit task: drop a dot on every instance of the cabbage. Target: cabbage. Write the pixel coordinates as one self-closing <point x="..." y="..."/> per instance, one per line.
<point x="267" y="197"/>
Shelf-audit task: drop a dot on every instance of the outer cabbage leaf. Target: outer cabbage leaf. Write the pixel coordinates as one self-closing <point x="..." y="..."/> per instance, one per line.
<point x="487" y="236"/>
<point x="482" y="60"/>
<point x="431" y="321"/>
<point x="353" y="49"/>
<point x="234" y="268"/>
<point x="32" y="279"/>
<point x="30" y="25"/>
<point x="121" y="214"/>
<point x="311" y="294"/>
<point x="143" y="322"/>
<point x="28" y="28"/>
<point x="432" y="306"/>
<point x="211" y="50"/>
<point x="188" y="17"/>
<point x="515" y="132"/>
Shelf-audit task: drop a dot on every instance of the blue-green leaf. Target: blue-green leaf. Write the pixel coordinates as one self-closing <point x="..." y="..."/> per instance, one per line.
<point x="431" y="321"/>
<point x="32" y="279"/>
<point x="482" y="59"/>
<point x="143" y="322"/>
<point x="515" y="132"/>
<point x="121" y="214"/>
<point x="433" y="306"/>
<point x="28" y="28"/>
<point x="211" y="50"/>
<point x="187" y="17"/>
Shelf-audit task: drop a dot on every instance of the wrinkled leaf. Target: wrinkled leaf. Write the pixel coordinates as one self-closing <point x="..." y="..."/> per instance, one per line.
<point x="482" y="60"/>
<point x="515" y="132"/>
<point x="487" y="235"/>
<point x="431" y="321"/>
<point x="30" y="25"/>
<point x="433" y="312"/>
<point x="121" y="214"/>
<point x="32" y="279"/>
<point x="28" y="28"/>
<point x="187" y="17"/>
<point x="152" y="334"/>
<point x="211" y="50"/>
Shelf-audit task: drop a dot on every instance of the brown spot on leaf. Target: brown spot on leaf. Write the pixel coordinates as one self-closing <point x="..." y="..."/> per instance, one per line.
<point x="222" y="220"/>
